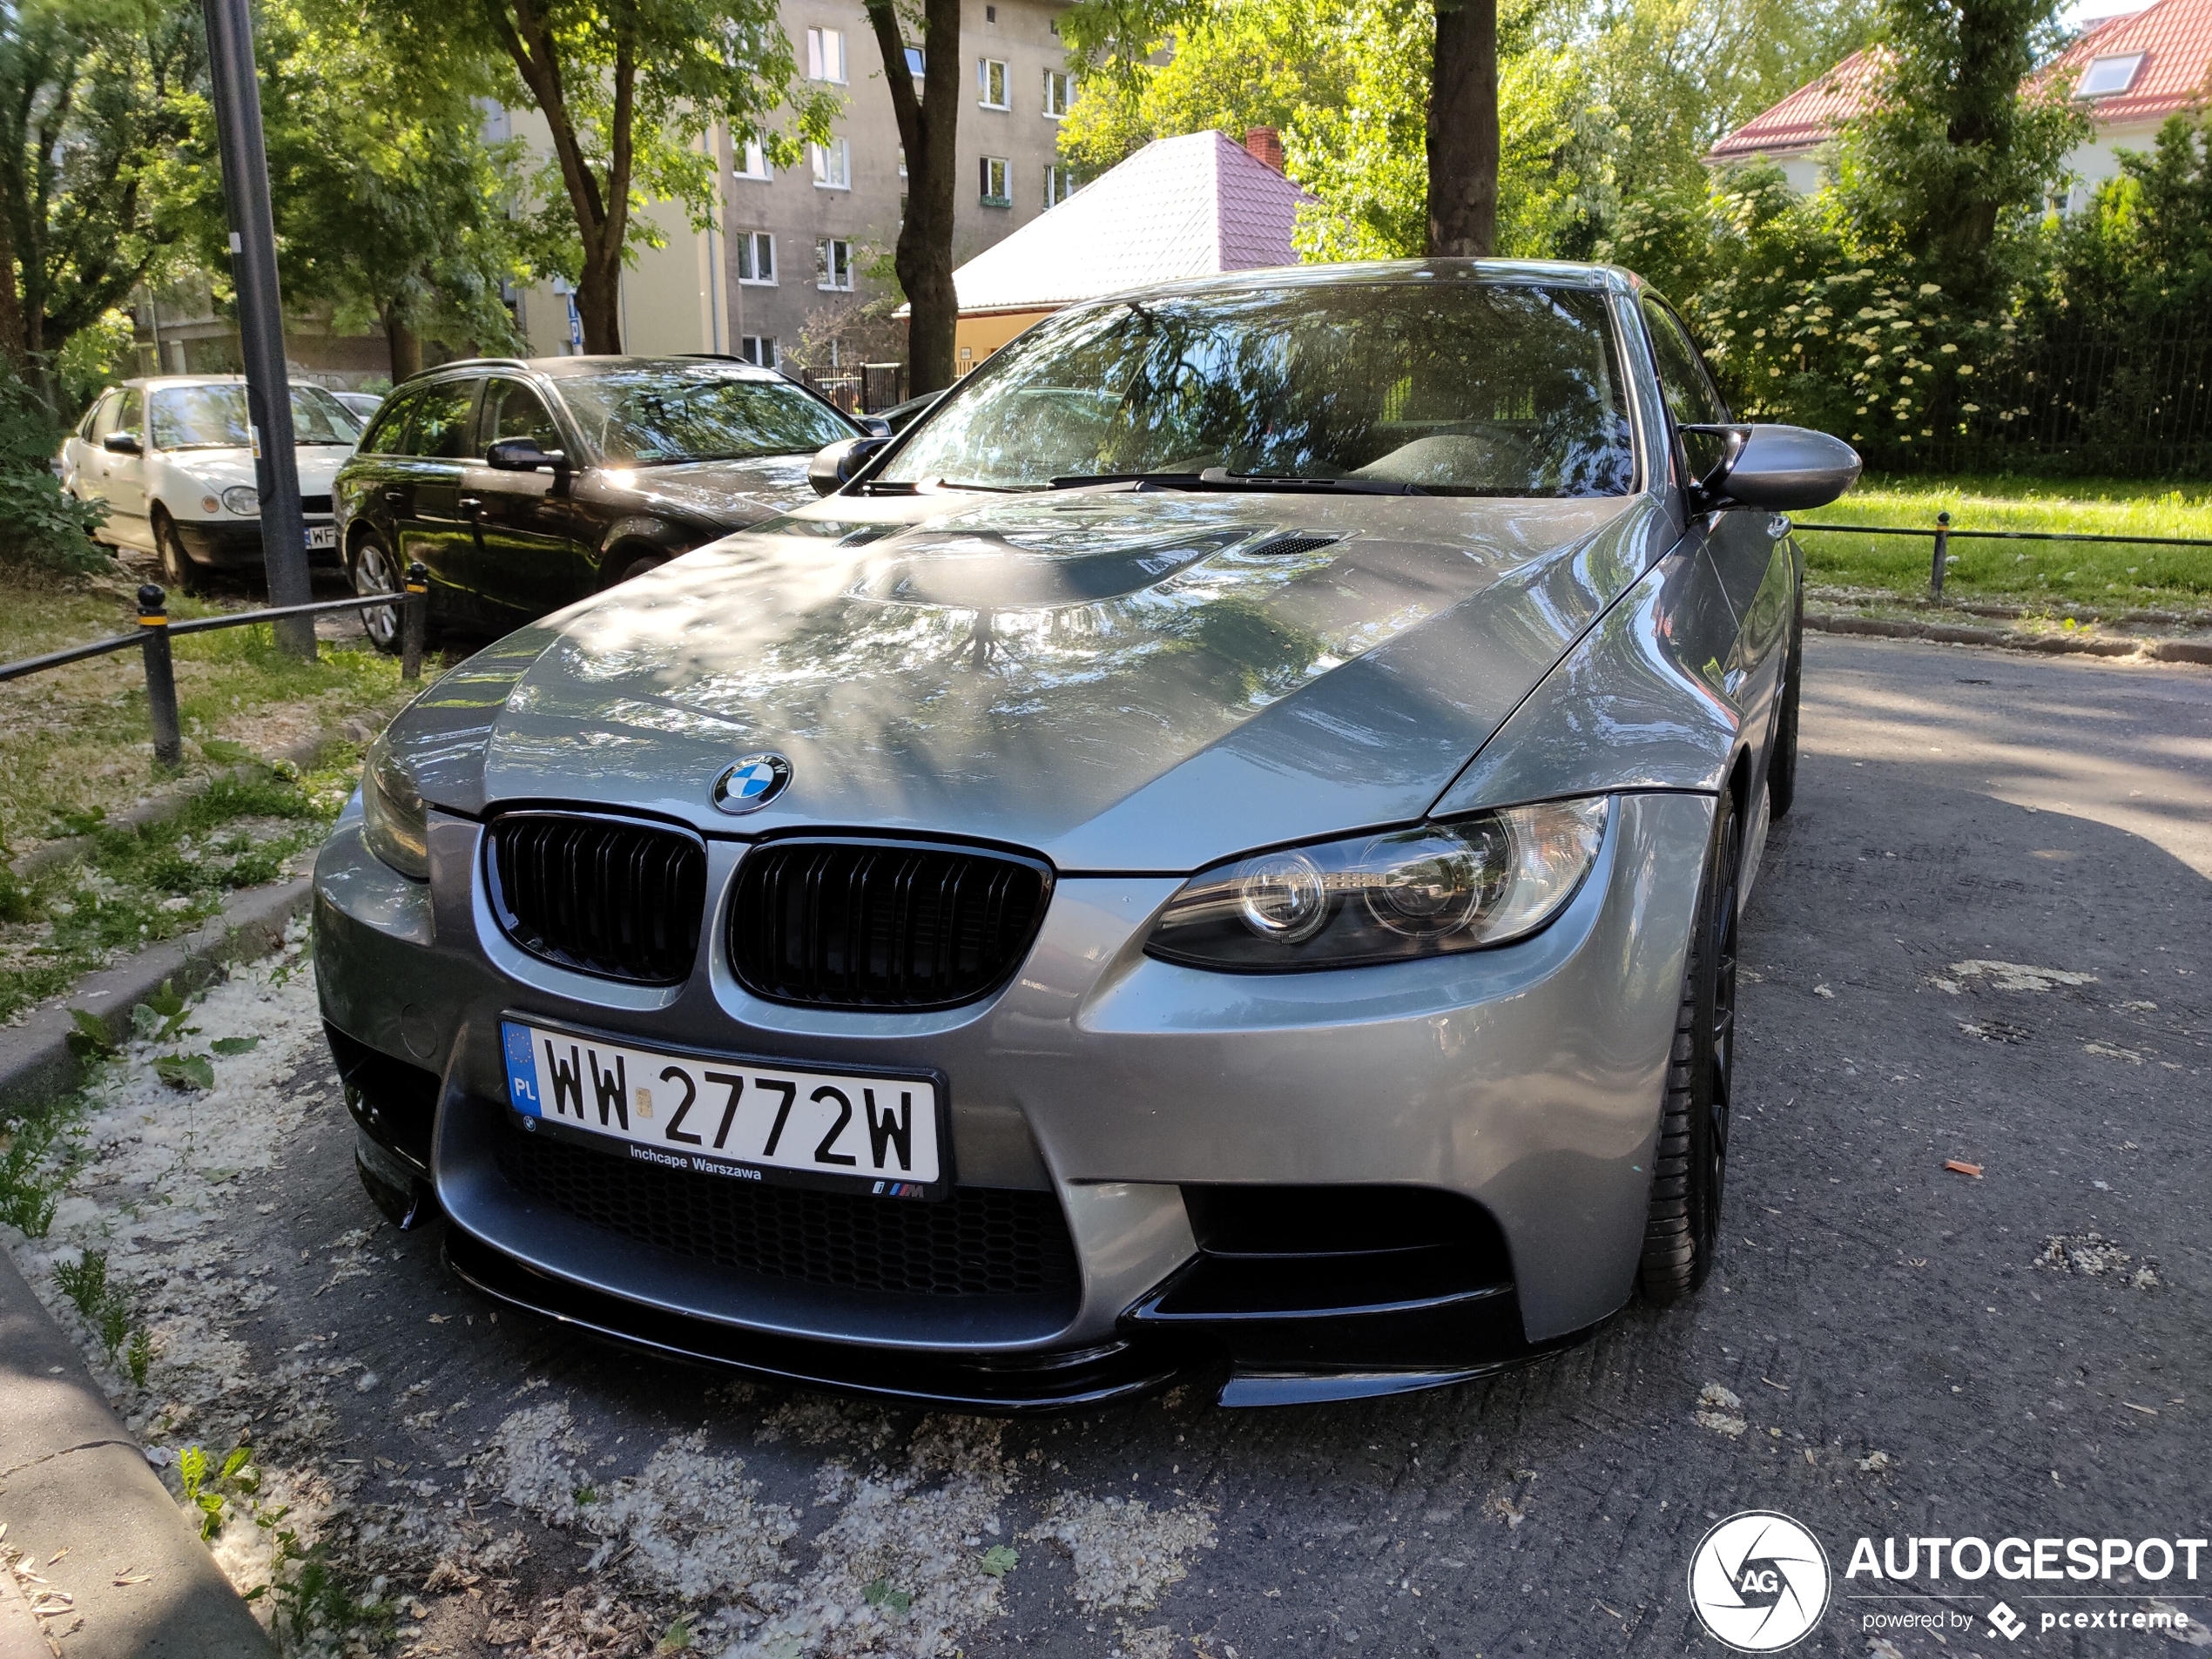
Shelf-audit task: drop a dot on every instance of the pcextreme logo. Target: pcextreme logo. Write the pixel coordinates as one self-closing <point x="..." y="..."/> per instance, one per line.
<point x="1758" y="1581"/>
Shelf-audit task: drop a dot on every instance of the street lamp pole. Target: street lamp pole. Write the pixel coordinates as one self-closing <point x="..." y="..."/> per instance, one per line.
<point x="260" y="315"/>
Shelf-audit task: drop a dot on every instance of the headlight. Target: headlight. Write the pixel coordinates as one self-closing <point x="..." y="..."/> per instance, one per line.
<point x="244" y="500"/>
<point x="1480" y="882"/>
<point x="394" y="820"/>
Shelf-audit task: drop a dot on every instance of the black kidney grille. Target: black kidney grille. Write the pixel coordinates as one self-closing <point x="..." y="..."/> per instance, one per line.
<point x="871" y="925"/>
<point x="623" y="901"/>
<point x="980" y="1241"/>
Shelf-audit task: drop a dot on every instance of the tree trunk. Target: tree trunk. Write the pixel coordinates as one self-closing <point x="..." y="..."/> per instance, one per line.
<point x="598" y="300"/>
<point x="1463" y="131"/>
<point x="403" y="344"/>
<point x="12" y="339"/>
<point x="927" y="126"/>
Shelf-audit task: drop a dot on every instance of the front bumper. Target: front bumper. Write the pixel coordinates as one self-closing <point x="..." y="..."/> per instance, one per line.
<point x="1521" y="1085"/>
<point x="236" y="544"/>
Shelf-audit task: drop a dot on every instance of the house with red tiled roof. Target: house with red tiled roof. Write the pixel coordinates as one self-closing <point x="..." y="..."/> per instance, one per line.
<point x="1188" y="207"/>
<point x="2131" y="72"/>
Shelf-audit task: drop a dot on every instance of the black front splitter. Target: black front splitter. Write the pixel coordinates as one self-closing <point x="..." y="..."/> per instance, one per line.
<point x="1093" y="1379"/>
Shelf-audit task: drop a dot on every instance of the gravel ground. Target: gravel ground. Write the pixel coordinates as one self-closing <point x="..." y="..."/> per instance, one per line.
<point x="1982" y="938"/>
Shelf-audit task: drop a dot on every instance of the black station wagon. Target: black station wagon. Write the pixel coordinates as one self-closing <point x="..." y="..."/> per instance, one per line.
<point x="523" y="486"/>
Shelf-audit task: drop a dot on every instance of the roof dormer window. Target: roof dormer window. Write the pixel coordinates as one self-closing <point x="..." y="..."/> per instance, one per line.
<point x="2108" y="76"/>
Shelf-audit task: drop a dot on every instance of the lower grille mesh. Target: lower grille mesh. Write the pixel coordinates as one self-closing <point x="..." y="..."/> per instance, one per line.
<point x="981" y="1241"/>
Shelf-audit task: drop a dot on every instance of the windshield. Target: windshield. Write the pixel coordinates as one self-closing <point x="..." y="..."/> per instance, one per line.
<point x="647" y="417"/>
<point x="214" y="417"/>
<point x="1459" y="388"/>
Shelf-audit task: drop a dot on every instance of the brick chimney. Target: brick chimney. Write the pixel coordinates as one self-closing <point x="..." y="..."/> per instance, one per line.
<point x="1266" y="144"/>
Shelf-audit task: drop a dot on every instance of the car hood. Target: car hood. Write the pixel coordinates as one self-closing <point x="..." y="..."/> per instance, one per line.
<point x="1118" y="679"/>
<point x="317" y="463"/>
<point x="729" y="494"/>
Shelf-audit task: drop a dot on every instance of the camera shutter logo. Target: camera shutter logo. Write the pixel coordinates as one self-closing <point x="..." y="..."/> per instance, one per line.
<point x="1759" y="1581"/>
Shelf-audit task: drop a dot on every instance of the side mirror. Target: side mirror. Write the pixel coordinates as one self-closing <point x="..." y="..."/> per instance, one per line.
<point x="1780" y="468"/>
<point x="522" y="454"/>
<point x="874" y="425"/>
<point x="123" y="443"/>
<point x="837" y="464"/>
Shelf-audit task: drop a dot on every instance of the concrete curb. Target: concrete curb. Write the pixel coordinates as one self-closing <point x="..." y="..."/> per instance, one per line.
<point x="35" y="1063"/>
<point x="2161" y="651"/>
<point x="140" y="1583"/>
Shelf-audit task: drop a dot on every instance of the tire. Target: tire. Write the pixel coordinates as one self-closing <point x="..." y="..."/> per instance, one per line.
<point x="1782" y="765"/>
<point x="1689" y="1171"/>
<point x="638" y="567"/>
<point x="373" y="571"/>
<point x="178" y="573"/>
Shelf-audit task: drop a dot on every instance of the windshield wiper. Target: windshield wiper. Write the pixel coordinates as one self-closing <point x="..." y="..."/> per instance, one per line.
<point x="1222" y="477"/>
<point x="1155" y="480"/>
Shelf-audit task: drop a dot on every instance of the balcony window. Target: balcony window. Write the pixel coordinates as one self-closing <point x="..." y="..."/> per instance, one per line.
<point x="993" y="172"/>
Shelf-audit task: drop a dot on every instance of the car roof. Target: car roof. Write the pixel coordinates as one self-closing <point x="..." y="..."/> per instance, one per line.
<point x="560" y="368"/>
<point x="156" y="382"/>
<point x="1559" y="273"/>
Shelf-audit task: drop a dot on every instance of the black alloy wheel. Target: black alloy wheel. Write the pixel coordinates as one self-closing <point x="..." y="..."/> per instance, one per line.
<point x="638" y="566"/>
<point x="178" y="573"/>
<point x="375" y="571"/>
<point x="1689" y="1172"/>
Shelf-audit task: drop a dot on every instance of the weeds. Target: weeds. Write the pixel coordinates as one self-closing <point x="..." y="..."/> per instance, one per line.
<point x="308" y="1593"/>
<point x="105" y="1307"/>
<point x="211" y="1492"/>
<point x="28" y="1190"/>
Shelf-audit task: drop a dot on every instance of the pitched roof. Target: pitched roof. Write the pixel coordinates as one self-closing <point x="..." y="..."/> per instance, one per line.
<point x="1191" y="206"/>
<point x="2174" y="36"/>
<point x="1809" y="115"/>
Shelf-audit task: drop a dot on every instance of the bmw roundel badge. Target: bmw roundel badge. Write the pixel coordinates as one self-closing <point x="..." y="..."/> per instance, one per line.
<point x="752" y="783"/>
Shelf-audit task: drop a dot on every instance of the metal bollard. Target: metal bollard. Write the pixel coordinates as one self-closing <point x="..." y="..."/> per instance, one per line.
<point x="161" y="677"/>
<point x="413" y="619"/>
<point x="1942" y="556"/>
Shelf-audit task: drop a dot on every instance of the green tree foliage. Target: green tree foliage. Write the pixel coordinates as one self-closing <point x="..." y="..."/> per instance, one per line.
<point x="93" y="93"/>
<point x="628" y="92"/>
<point x="1346" y="82"/>
<point x="40" y="527"/>
<point x="390" y="205"/>
<point x="1676" y="75"/>
<point x="2139" y="258"/>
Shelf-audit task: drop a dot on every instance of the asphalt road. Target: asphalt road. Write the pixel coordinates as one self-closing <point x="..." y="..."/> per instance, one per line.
<point x="1911" y="1351"/>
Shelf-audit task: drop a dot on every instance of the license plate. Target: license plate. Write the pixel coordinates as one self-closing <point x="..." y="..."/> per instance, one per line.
<point x="321" y="539"/>
<point x="746" y="1118"/>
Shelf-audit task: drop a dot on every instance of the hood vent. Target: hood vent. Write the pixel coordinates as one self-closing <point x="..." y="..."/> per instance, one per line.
<point x="607" y="896"/>
<point x="880" y="924"/>
<point x="1289" y="545"/>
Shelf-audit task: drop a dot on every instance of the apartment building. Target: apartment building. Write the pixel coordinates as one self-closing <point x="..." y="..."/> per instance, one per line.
<point x="795" y="245"/>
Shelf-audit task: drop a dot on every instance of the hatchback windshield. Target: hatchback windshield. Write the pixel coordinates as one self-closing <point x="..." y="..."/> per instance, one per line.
<point x="1459" y="389"/>
<point x="654" y="417"/>
<point x="214" y="417"/>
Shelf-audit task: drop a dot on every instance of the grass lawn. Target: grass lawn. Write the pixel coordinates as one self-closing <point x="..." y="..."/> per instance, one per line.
<point x="75" y="749"/>
<point x="2040" y="575"/>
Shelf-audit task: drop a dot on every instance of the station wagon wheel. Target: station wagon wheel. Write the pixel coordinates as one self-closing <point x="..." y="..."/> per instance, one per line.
<point x="178" y="573"/>
<point x="373" y="572"/>
<point x="639" y="565"/>
<point x="1689" y="1171"/>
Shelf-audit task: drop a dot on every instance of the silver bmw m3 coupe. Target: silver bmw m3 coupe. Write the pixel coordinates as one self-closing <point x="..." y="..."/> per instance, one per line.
<point x="1218" y="849"/>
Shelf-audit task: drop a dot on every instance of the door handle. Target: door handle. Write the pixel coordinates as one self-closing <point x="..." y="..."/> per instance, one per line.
<point x="396" y="496"/>
<point x="471" y="503"/>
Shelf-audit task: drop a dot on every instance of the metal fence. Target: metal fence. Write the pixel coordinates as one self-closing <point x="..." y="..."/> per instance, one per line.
<point x="2134" y="407"/>
<point x="868" y="389"/>
<point x="156" y="630"/>
<point x="1943" y="535"/>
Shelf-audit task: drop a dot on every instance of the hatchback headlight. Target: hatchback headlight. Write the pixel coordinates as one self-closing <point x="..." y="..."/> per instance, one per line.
<point x="394" y="820"/>
<point x="1462" y="886"/>
<point x="244" y="500"/>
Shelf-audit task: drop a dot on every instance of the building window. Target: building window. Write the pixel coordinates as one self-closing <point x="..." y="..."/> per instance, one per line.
<point x="994" y="182"/>
<point x="825" y="55"/>
<point x="758" y="349"/>
<point x="917" y="66"/>
<point x="753" y="160"/>
<point x="832" y="264"/>
<point x="1059" y="184"/>
<point x="991" y="83"/>
<point x="1056" y="93"/>
<point x="757" y="258"/>
<point x="833" y="164"/>
<point x="990" y="14"/>
<point x="2108" y="76"/>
